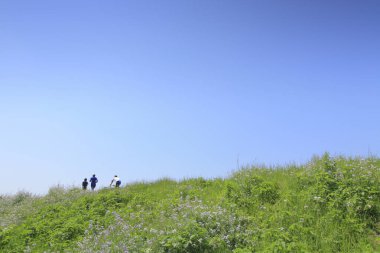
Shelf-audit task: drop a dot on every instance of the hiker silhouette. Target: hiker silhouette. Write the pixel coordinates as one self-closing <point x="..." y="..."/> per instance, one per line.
<point x="93" y="181"/>
<point x="84" y="184"/>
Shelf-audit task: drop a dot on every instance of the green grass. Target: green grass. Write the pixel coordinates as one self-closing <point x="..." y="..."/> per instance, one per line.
<point x="326" y="205"/>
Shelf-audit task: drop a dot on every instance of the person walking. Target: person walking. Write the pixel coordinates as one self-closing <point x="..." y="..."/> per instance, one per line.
<point x="93" y="181"/>
<point x="84" y="184"/>
<point x="116" y="180"/>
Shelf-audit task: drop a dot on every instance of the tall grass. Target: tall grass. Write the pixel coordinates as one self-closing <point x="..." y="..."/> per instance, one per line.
<point x="331" y="204"/>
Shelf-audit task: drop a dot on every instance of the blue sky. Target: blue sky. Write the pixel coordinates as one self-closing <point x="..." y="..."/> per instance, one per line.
<point x="152" y="89"/>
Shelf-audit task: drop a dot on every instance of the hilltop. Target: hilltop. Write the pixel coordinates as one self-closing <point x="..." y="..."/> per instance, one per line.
<point x="331" y="204"/>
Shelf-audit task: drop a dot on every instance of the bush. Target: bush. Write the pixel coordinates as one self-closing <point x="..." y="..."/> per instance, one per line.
<point x="250" y="191"/>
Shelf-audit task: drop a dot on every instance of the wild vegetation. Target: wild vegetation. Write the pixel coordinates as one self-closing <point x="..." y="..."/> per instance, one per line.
<point x="331" y="204"/>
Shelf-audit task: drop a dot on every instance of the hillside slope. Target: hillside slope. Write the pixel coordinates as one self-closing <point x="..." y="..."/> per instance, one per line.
<point x="327" y="205"/>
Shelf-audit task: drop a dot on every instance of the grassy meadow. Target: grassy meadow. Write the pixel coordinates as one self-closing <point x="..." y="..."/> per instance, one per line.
<point x="330" y="204"/>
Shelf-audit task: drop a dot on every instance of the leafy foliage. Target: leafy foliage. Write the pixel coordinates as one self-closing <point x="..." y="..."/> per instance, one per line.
<point x="328" y="205"/>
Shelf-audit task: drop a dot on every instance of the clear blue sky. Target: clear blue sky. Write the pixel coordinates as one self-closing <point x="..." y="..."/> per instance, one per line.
<point x="152" y="89"/>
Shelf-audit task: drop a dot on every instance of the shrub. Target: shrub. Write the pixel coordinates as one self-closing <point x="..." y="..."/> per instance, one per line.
<point x="250" y="191"/>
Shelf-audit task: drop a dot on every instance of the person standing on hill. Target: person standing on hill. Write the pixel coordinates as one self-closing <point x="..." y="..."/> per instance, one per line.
<point x="93" y="181"/>
<point x="116" y="180"/>
<point x="84" y="184"/>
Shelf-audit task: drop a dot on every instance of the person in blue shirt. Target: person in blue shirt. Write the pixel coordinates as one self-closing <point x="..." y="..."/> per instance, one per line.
<point x="93" y="182"/>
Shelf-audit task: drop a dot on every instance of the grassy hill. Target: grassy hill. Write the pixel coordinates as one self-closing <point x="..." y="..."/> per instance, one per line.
<point x="327" y="205"/>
